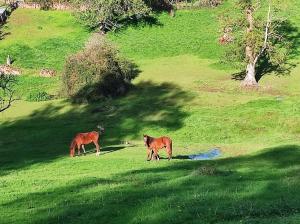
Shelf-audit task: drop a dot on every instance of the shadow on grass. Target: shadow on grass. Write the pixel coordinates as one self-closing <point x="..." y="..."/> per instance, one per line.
<point x="46" y="134"/>
<point x="260" y="188"/>
<point x="137" y="23"/>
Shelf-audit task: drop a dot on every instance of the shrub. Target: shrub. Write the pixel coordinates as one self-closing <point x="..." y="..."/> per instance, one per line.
<point x="198" y="3"/>
<point x="45" y="4"/>
<point x="39" y="96"/>
<point x="97" y="71"/>
<point x="109" y="15"/>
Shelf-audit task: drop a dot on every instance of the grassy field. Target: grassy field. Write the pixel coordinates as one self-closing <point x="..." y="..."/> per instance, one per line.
<point x="37" y="39"/>
<point x="181" y="92"/>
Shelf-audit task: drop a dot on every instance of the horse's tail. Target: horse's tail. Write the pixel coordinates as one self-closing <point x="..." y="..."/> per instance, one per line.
<point x="72" y="148"/>
<point x="169" y="149"/>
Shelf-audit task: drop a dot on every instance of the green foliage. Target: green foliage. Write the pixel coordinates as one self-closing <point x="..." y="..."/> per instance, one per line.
<point x="109" y="14"/>
<point x="39" y="96"/>
<point x="97" y="71"/>
<point x="45" y="4"/>
<point x="7" y="85"/>
<point x="274" y="55"/>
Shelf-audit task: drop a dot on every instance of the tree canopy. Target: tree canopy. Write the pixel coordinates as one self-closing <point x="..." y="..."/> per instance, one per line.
<point x="110" y="14"/>
<point x="260" y="39"/>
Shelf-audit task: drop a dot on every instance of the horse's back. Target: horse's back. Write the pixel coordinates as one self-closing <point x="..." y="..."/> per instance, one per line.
<point x="161" y="142"/>
<point x="166" y="140"/>
<point x="85" y="138"/>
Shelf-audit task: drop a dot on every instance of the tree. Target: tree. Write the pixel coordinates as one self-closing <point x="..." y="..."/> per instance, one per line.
<point x="97" y="71"/>
<point x="7" y="83"/>
<point x="258" y="40"/>
<point x="110" y="14"/>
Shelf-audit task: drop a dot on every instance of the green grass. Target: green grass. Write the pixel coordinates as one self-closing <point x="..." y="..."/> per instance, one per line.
<point x="179" y="93"/>
<point x="37" y="39"/>
<point x="189" y="32"/>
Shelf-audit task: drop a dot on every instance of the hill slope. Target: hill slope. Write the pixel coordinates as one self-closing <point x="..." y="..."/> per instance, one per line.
<point x="180" y="93"/>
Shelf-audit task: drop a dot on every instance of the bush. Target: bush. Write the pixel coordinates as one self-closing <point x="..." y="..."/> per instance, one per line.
<point x="109" y="15"/>
<point x="198" y="3"/>
<point x="45" y="4"/>
<point x="97" y="71"/>
<point x="39" y="96"/>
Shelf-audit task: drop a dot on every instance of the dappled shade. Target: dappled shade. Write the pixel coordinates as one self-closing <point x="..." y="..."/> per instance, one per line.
<point x="46" y="134"/>
<point x="250" y="189"/>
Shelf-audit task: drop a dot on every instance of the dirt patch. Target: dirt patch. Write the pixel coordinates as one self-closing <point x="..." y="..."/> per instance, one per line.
<point x="47" y="73"/>
<point x="9" y="70"/>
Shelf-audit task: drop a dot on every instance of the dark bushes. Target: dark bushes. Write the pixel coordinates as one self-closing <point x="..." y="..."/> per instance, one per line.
<point x="97" y="71"/>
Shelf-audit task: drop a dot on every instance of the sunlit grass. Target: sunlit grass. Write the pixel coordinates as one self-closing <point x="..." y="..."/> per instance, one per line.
<point x="179" y="93"/>
<point x="38" y="39"/>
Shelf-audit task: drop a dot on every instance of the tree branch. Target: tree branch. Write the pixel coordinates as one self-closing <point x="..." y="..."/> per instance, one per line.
<point x="264" y="47"/>
<point x="6" y="85"/>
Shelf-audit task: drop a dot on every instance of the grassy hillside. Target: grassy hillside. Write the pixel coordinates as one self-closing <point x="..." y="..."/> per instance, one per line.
<point x="180" y="93"/>
<point x="37" y="39"/>
<point x="189" y="32"/>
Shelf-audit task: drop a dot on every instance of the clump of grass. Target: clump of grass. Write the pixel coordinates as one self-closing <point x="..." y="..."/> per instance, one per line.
<point x="206" y="170"/>
<point x="39" y="96"/>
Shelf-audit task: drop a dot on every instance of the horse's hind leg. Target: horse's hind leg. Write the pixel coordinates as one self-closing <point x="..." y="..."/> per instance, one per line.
<point x="83" y="149"/>
<point x="97" y="148"/>
<point x="169" y="152"/>
<point x="149" y="154"/>
<point x="155" y="154"/>
<point x="78" y="149"/>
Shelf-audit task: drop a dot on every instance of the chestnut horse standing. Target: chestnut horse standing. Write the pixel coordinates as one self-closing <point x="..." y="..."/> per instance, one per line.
<point x="155" y="144"/>
<point x="82" y="139"/>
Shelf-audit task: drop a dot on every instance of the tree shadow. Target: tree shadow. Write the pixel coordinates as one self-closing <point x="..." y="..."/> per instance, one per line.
<point x="46" y="133"/>
<point x="103" y="150"/>
<point x="249" y="189"/>
<point x="148" y="21"/>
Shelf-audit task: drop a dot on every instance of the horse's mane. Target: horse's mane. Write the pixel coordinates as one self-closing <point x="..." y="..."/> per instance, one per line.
<point x="149" y="140"/>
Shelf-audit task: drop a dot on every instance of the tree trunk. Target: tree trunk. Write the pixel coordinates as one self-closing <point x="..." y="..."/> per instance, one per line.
<point x="249" y="80"/>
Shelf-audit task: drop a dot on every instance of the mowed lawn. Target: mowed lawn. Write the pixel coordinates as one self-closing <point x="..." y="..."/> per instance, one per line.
<point x="180" y="93"/>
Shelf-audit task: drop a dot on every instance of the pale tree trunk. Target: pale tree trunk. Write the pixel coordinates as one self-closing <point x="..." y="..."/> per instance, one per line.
<point x="253" y="57"/>
<point x="249" y="80"/>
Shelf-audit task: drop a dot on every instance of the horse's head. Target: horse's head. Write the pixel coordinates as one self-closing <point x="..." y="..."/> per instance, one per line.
<point x="146" y="140"/>
<point x="101" y="129"/>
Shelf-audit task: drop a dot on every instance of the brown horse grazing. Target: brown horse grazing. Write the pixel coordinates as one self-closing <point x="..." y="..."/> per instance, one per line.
<point x="155" y="144"/>
<point x="82" y="139"/>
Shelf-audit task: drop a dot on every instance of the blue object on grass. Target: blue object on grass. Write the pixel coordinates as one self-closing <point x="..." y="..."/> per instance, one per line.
<point x="211" y="154"/>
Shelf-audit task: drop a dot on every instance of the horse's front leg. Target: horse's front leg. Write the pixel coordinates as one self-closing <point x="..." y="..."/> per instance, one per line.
<point x="149" y="154"/>
<point x="97" y="148"/>
<point x="155" y="154"/>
